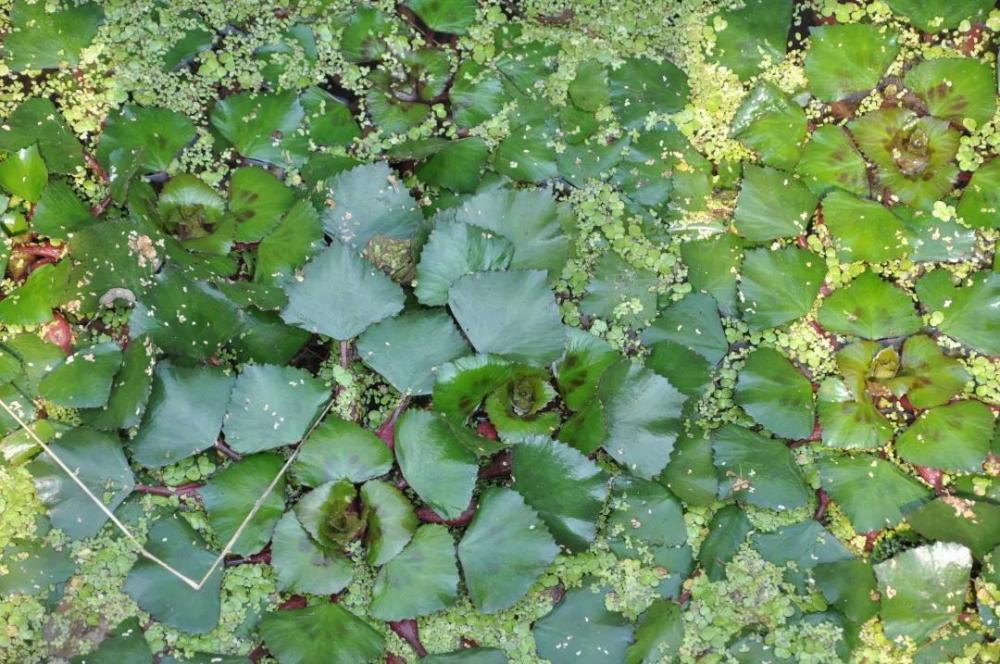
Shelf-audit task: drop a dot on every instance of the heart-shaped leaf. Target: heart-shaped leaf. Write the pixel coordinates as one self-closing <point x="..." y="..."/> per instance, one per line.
<point x="952" y="437"/>
<point x="437" y="466"/>
<point x="581" y="630"/>
<point x="777" y="287"/>
<point x="848" y="58"/>
<point x="338" y="449"/>
<point x="772" y="204"/>
<point x="303" y="636"/>
<point x="869" y="308"/>
<point x="231" y="494"/>
<point x="873" y="493"/>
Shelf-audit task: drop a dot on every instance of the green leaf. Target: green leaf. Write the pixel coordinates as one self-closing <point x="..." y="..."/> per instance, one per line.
<point x="848" y="58"/>
<point x="589" y="88"/>
<point x="408" y="350"/>
<point x="37" y="120"/>
<point x="531" y="219"/>
<point x="32" y="303"/>
<point x="689" y="372"/>
<point x="581" y="368"/>
<point x="772" y="204"/>
<point x="726" y="533"/>
<point x="870" y="308"/>
<point x="165" y="597"/>
<point x="805" y="544"/>
<point x="659" y="634"/>
<point x="249" y="122"/>
<point x="937" y="15"/>
<point x="39" y="38"/>
<point x="952" y="437"/>
<point x="289" y="245"/>
<point x="451" y="16"/>
<point x="97" y="460"/>
<point x="914" y="154"/>
<point x="23" y="174"/>
<point x="713" y="265"/>
<point x="476" y="94"/>
<point x="955" y="88"/>
<point x="527" y="155"/>
<point x="504" y="550"/>
<point x="617" y="285"/>
<point x="753" y="34"/>
<point x="776" y="394"/>
<point x="125" y="643"/>
<point x="642" y="413"/>
<point x="184" y="317"/>
<point x="850" y="421"/>
<point x="863" y="230"/>
<point x="873" y="493"/>
<point x="33" y="568"/>
<point x="644" y="512"/>
<point x="976" y="524"/>
<point x="84" y="379"/>
<point x="463" y="384"/>
<point x="923" y="589"/>
<point x="457" y="165"/>
<point x="777" y="287"/>
<point x="421" y="580"/>
<point x="302" y="566"/>
<point x="566" y="488"/>
<point x="191" y="400"/>
<point x="303" y="636"/>
<point x="272" y="406"/>
<point x="184" y="50"/>
<point x="435" y="463"/>
<point x="830" y="162"/>
<point x="969" y="310"/>
<point x="369" y="201"/>
<point x="757" y="470"/>
<point x="580" y="630"/>
<point x="329" y="514"/>
<point x="848" y="586"/>
<point x="771" y="123"/>
<point x="641" y="86"/>
<point x="232" y="492"/>
<point x="468" y="656"/>
<point x="454" y="250"/>
<point x="390" y="518"/>
<point x="981" y="197"/>
<point x="927" y="376"/>
<point x="59" y="212"/>
<point x="338" y="449"/>
<point x="690" y="475"/>
<point x="257" y="200"/>
<point x="361" y="295"/>
<point x="509" y="313"/>
<point x="145" y="138"/>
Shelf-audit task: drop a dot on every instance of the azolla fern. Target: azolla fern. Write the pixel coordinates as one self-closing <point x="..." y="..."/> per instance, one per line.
<point x="342" y="331"/>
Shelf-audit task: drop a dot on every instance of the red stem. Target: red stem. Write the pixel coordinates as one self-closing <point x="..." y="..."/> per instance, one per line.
<point x="409" y="632"/>
<point x="427" y="515"/>
<point x="227" y="451"/>
<point x="182" y="490"/>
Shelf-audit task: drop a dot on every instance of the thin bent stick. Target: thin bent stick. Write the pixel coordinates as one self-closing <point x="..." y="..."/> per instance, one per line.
<point x="100" y="504"/>
<point x="196" y="585"/>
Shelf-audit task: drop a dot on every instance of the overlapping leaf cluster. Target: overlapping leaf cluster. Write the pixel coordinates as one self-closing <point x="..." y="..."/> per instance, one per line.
<point x="176" y="317"/>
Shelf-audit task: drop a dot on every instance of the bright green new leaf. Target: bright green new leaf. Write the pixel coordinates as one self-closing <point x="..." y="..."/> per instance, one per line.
<point x="846" y="59"/>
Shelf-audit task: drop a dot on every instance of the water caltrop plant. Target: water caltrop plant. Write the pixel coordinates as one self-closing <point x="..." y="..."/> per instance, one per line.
<point x="487" y="331"/>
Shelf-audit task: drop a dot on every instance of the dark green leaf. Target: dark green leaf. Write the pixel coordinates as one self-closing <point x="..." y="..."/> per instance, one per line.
<point x="184" y="414"/>
<point x="504" y="550"/>
<point x="360" y="295"/>
<point x="777" y="287"/>
<point x="231" y="494"/>
<point x="772" y="204"/>
<point x="302" y="566"/>
<point x="303" y="636"/>
<point x="758" y="470"/>
<point x="873" y="493"/>
<point x="422" y="579"/>
<point x="776" y="394"/>
<point x="870" y="308"/>
<point x="339" y="449"/>
<point x="435" y="463"/>
<point x="84" y="379"/>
